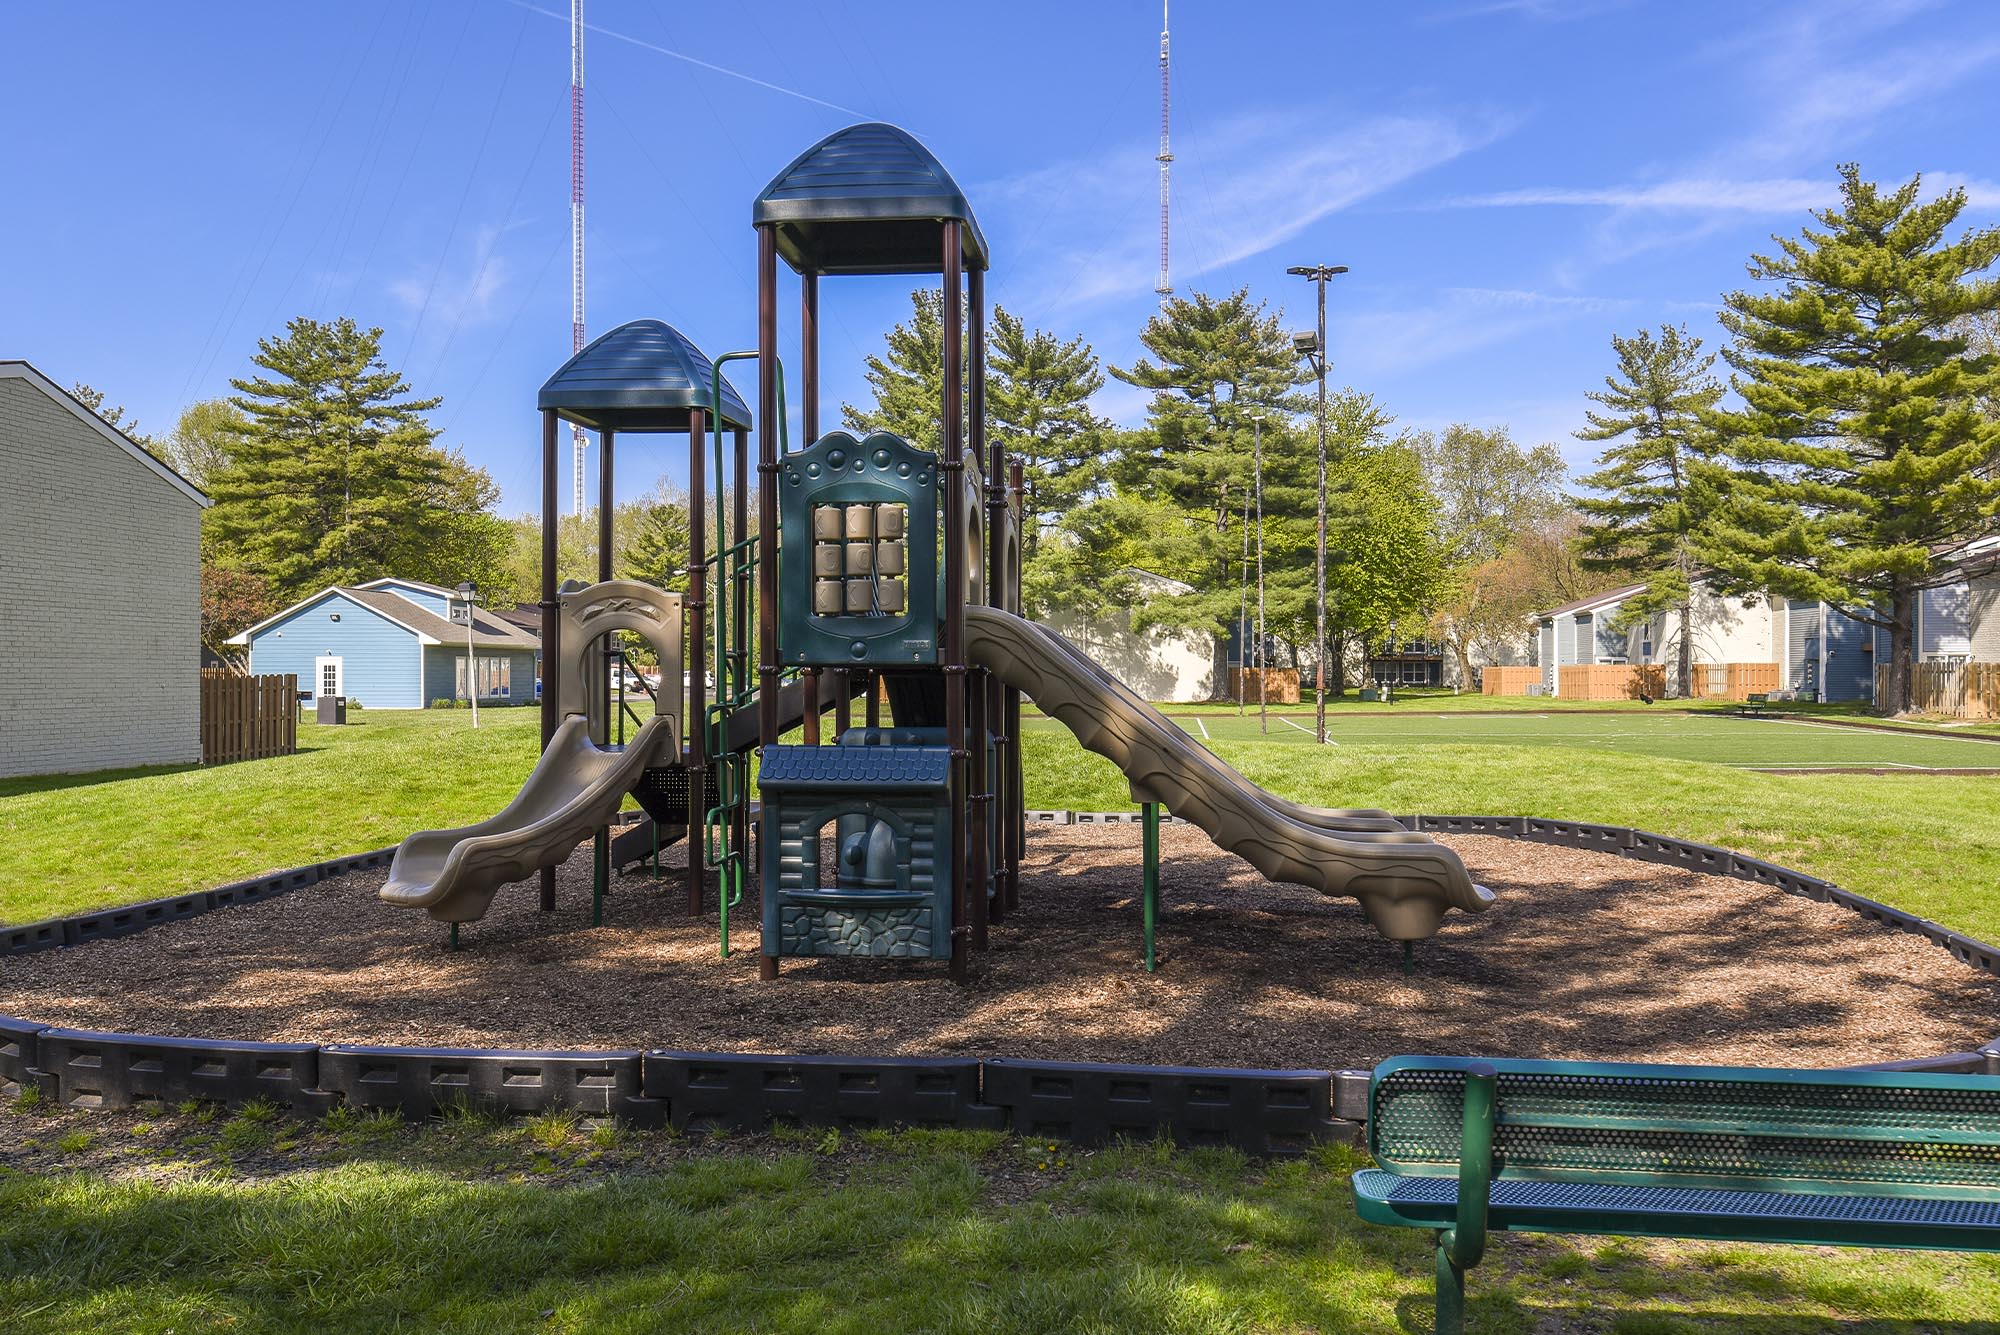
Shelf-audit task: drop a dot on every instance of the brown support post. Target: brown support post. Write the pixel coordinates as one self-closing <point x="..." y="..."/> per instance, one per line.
<point x="809" y="355"/>
<point x="695" y="608"/>
<point x="551" y="627"/>
<point x="843" y="701"/>
<point x="1017" y="819"/>
<point x="601" y="843"/>
<point x="809" y="713"/>
<point x="997" y="807"/>
<point x="979" y="684"/>
<point x="952" y="470"/>
<point x="768" y="409"/>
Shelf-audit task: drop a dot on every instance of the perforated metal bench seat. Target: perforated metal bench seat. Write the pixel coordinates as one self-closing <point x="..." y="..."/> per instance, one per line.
<point x="1748" y="1154"/>
<point x="1686" y="1212"/>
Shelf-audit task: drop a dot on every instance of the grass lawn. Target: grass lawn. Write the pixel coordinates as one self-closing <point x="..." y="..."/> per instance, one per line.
<point x="252" y="1224"/>
<point x="74" y="842"/>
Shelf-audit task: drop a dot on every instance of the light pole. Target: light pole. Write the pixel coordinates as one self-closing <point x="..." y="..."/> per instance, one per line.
<point x="1263" y="684"/>
<point x="468" y="594"/>
<point x="1313" y="348"/>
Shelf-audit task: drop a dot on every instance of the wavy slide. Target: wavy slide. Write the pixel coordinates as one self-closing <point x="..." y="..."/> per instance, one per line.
<point x="1404" y="881"/>
<point x="575" y="789"/>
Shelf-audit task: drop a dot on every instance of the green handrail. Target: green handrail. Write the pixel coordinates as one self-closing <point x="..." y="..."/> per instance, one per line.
<point x="733" y="688"/>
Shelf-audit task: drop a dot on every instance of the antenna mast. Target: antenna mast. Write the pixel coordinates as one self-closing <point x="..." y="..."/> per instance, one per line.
<point x="578" y="441"/>
<point x="1166" y="157"/>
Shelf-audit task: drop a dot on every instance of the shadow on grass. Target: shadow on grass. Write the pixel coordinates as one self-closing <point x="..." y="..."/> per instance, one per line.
<point x="913" y="1232"/>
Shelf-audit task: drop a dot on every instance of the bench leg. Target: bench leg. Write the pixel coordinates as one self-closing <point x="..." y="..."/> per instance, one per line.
<point x="1450" y="1294"/>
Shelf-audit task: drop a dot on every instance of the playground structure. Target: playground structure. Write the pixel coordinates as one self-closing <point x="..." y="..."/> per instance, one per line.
<point x="877" y="571"/>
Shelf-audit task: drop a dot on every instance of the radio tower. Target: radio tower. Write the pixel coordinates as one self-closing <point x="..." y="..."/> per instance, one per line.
<point x="1165" y="288"/>
<point x="578" y="441"/>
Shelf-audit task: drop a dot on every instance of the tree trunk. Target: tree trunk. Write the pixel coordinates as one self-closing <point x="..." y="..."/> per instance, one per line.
<point x="1902" y="639"/>
<point x="1463" y="652"/>
<point x="1686" y="656"/>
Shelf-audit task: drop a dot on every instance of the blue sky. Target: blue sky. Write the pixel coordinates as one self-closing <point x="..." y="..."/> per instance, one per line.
<point x="1511" y="181"/>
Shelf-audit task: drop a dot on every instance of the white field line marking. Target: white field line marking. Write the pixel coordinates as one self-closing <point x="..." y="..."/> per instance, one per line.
<point x="1203" y="726"/>
<point x="1307" y="731"/>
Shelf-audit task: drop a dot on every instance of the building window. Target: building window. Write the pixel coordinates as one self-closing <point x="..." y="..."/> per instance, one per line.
<point x="329" y="679"/>
<point x="495" y="678"/>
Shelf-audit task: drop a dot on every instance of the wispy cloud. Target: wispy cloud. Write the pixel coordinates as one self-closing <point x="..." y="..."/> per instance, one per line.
<point x="461" y="293"/>
<point x="1250" y="185"/>
<point x="1789" y="195"/>
<point x="696" y="61"/>
<point x="1816" y="82"/>
<point x="1405" y="335"/>
<point x="1547" y="11"/>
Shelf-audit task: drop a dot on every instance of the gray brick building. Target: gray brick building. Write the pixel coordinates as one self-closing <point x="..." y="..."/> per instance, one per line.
<point x="100" y="602"/>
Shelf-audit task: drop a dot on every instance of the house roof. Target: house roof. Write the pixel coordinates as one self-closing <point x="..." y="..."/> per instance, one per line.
<point x="21" y="370"/>
<point x="488" y="631"/>
<point x="1594" y="602"/>
<point x="645" y="375"/>
<point x="867" y="199"/>
<point x="425" y="585"/>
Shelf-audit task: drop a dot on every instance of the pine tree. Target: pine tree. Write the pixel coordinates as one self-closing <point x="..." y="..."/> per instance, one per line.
<point x="338" y="478"/>
<point x="1214" y="366"/>
<point x="908" y="378"/>
<point x="1654" y="488"/>
<point x="659" y="547"/>
<point x="1861" y="455"/>
<point x="1038" y="396"/>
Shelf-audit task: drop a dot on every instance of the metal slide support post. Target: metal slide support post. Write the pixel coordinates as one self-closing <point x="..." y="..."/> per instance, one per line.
<point x="1149" y="882"/>
<point x="951" y="477"/>
<point x="768" y="409"/>
<point x="551" y="628"/>
<point x="1319" y="559"/>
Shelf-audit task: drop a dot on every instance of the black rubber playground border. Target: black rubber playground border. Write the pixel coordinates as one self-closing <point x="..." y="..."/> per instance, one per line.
<point x="1258" y="1112"/>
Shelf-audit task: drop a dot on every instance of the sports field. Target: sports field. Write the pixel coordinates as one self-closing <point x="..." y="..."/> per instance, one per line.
<point x="1712" y="738"/>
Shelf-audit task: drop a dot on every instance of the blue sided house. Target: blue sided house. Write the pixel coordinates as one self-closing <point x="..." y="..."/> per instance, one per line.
<point x="391" y="644"/>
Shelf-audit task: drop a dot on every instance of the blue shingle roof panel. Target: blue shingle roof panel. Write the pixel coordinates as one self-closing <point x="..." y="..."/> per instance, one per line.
<point x="906" y="768"/>
<point x="645" y="375"/>
<point x="867" y="199"/>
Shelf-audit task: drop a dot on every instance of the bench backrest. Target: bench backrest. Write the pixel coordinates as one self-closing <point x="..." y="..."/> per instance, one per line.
<point x="1883" y="1133"/>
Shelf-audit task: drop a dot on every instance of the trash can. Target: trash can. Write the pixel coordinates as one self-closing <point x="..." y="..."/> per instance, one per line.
<point x="333" y="709"/>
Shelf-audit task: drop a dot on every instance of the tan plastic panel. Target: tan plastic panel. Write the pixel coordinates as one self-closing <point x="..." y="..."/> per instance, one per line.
<point x="1404" y="881"/>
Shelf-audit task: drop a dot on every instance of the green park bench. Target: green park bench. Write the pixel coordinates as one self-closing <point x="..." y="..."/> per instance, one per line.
<point x="1744" y="1154"/>
<point x="1755" y="706"/>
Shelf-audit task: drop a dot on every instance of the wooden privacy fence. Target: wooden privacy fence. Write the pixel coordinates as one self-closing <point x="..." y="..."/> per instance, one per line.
<point x="1961" y="690"/>
<point x="1732" y="681"/>
<point x="1508" y="680"/>
<point x="1611" y="681"/>
<point x="1281" y="685"/>
<point x="247" y="718"/>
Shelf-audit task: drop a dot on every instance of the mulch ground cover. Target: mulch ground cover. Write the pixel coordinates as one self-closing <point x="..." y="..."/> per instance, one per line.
<point x="1584" y="955"/>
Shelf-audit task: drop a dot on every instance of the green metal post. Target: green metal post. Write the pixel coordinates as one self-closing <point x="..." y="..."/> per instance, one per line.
<point x="1149" y="817"/>
<point x="454" y="936"/>
<point x="656" y="835"/>
<point x="1450" y="1294"/>
<point x="1462" y="1245"/>
<point x="1409" y="958"/>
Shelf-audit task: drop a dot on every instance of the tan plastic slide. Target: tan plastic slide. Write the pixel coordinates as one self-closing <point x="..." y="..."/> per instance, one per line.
<point x="576" y="787"/>
<point x="1404" y="881"/>
<point x="574" y="791"/>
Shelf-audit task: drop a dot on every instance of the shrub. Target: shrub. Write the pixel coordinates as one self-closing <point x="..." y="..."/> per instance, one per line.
<point x="441" y="702"/>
